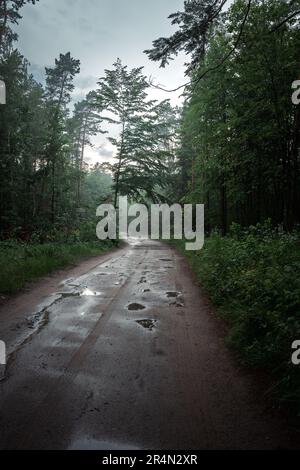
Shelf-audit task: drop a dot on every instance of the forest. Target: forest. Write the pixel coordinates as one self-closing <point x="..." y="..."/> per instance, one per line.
<point x="234" y="145"/>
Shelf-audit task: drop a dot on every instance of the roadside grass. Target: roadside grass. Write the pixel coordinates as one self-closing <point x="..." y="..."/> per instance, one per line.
<point x="21" y="263"/>
<point x="253" y="278"/>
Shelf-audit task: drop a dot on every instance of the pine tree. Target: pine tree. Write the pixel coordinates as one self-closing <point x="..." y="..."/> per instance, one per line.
<point x="123" y="94"/>
<point x="10" y="15"/>
<point x="59" y="85"/>
<point x="143" y="144"/>
<point x="85" y="123"/>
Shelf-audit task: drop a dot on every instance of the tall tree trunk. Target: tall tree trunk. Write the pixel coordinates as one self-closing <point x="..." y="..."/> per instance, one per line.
<point x="117" y="175"/>
<point x="223" y="207"/>
<point x="53" y="193"/>
<point x="80" y="165"/>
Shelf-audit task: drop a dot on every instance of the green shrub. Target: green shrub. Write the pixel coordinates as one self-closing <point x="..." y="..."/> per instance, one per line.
<point x="20" y="262"/>
<point x="253" y="277"/>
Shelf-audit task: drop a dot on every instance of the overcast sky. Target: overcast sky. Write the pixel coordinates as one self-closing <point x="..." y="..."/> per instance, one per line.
<point x="97" y="32"/>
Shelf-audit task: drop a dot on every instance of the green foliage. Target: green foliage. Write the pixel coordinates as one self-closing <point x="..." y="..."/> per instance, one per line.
<point x="45" y="186"/>
<point x="240" y="132"/>
<point x="253" y="277"/>
<point x="9" y="16"/>
<point x="194" y="25"/>
<point x="145" y="131"/>
<point x="21" y="263"/>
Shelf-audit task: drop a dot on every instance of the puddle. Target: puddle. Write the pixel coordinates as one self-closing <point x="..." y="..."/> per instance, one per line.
<point x="179" y="300"/>
<point x="35" y="323"/>
<point x="84" y="293"/>
<point x="172" y="294"/>
<point x="165" y="259"/>
<point x="89" y="293"/>
<point x="146" y="290"/>
<point x="68" y="294"/>
<point x="37" y="320"/>
<point x="148" y="324"/>
<point x="136" y="306"/>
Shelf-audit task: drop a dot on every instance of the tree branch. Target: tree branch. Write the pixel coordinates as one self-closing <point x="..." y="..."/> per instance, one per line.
<point x="211" y="69"/>
<point x="292" y="15"/>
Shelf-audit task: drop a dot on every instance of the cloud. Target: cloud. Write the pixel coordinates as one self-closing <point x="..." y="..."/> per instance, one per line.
<point x="38" y="71"/>
<point x="87" y="82"/>
<point x="106" y="152"/>
<point x="102" y="153"/>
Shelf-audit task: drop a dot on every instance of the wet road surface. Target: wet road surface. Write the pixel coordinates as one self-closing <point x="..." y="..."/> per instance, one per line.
<point x="128" y="355"/>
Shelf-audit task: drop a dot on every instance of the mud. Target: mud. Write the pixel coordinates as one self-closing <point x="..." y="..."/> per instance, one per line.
<point x="148" y="324"/>
<point x="136" y="306"/>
